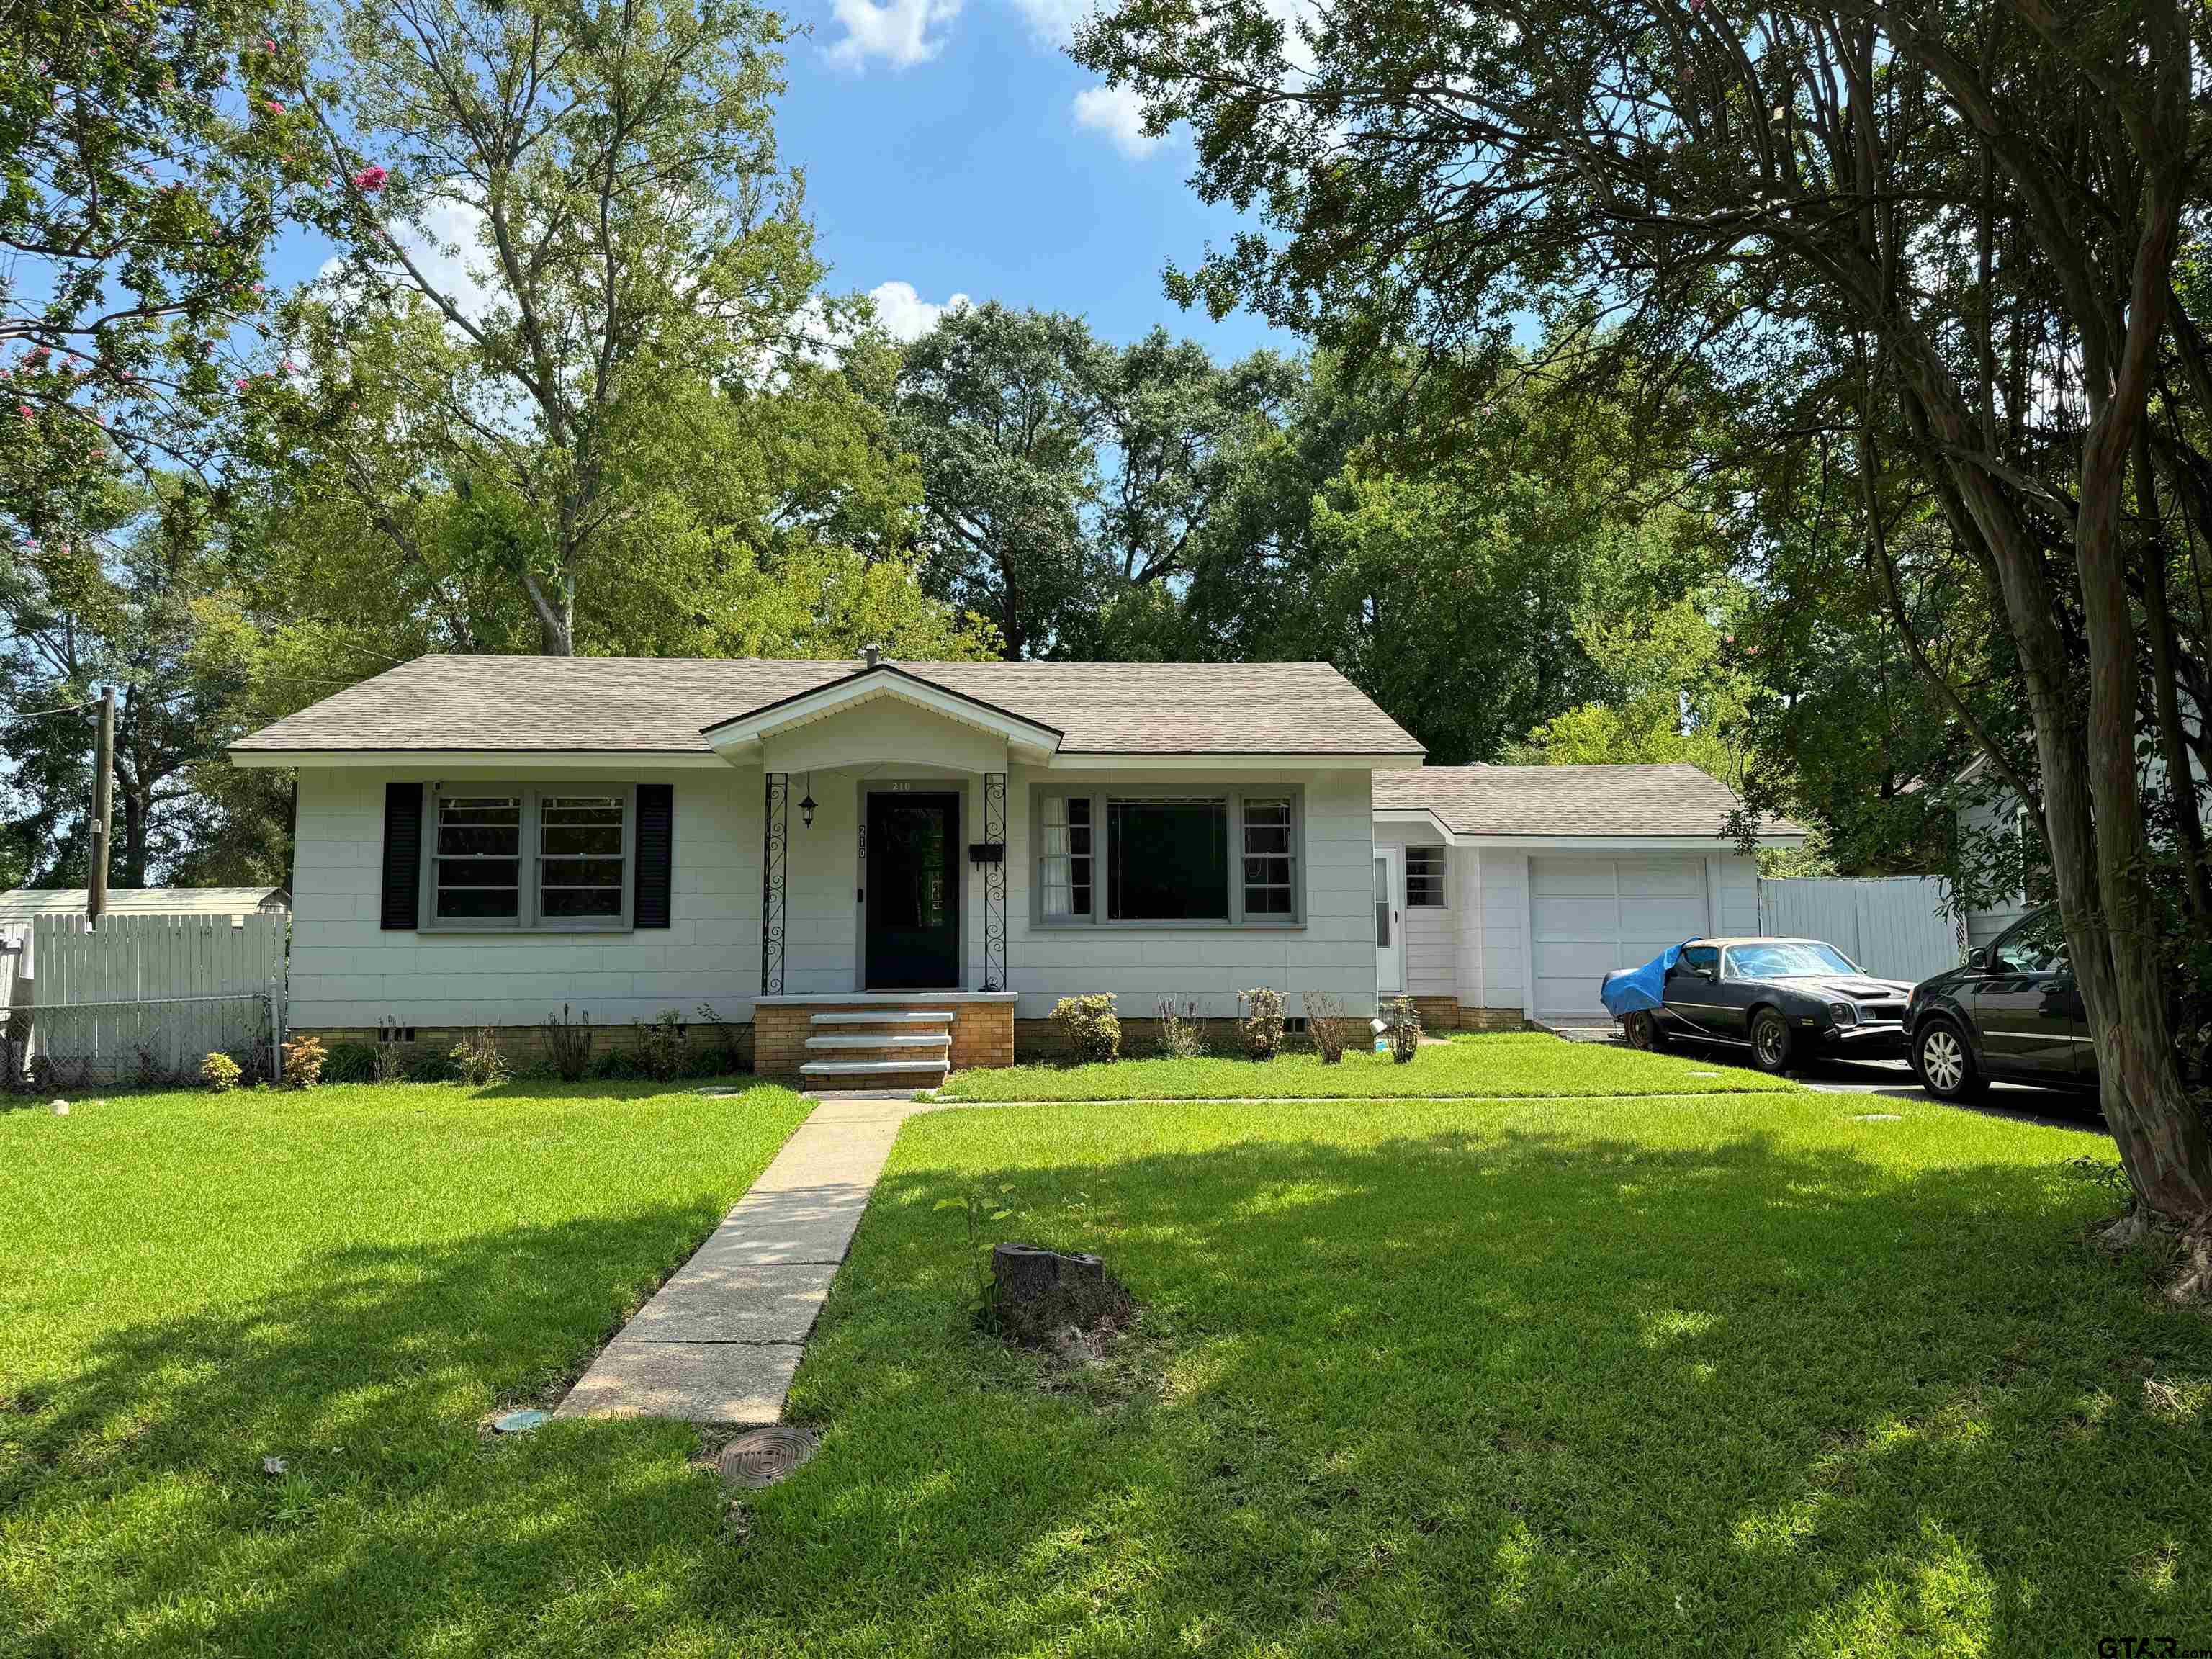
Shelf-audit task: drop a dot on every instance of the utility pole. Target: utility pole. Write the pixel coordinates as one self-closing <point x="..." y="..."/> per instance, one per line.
<point x="103" y="807"/>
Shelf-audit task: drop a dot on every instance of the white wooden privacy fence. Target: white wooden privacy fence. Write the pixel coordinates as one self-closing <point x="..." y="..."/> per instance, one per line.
<point x="148" y="998"/>
<point x="1896" y="926"/>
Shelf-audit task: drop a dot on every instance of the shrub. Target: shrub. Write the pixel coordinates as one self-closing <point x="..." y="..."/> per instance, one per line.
<point x="728" y="1054"/>
<point x="661" y="1052"/>
<point x="1092" y="1028"/>
<point x="1326" y="1022"/>
<point x="303" y="1062"/>
<point x="569" y="1042"/>
<point x="349" y="1062"/>
<point x="1404" y="1021"/>
<point x="1182" y="1033"/>
<point x="620" y="1065"/>
<point x="1263" y="1022"/>
<point x="477" y="1060"/>
<point x="220" y="1072"/>
<point x="395" y="1059"/>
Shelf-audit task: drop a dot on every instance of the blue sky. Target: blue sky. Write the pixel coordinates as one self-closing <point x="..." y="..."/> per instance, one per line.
<point x="954" y="147"/>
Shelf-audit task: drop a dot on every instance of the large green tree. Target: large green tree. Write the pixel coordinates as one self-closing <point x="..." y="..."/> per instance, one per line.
<point x="565" y="226"/>
<point x="1946" y="237"/>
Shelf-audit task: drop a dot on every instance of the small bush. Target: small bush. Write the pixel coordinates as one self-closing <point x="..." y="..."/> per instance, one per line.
<point x="220" y="1073"/>
<point x="396" y="1060"/>
<point x="619" y="1065"/>
<point x="1092" y="1028"/>
<point x="304" y="1060"/>
<point x="477" y="1060"/>
<point x="349" y="1062"/>
<point x="1327" y="1024"/>
<point x="1182" y="1033"/>
<point x="569" y="1042"/>
<point x="1263" y="1022"/>
<point x="1404" y="1020"/>
<point x="728" y="1052"/>
<point x="661" y="1051"/>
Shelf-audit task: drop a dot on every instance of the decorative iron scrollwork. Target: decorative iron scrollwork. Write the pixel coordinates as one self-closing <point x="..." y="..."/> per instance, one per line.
<point x="775" y="847"/>
<point x="994" y="883"/>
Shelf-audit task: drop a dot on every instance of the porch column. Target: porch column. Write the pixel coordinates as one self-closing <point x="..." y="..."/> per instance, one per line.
<point x="995" y="881"/>
<point x="775" y="844"/>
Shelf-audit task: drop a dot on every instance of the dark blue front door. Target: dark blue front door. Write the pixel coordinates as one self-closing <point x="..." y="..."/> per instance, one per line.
<point x="913" y="896"/>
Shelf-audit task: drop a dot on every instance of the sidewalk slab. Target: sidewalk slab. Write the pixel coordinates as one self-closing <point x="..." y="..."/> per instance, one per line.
<point x="720" y="1341"/>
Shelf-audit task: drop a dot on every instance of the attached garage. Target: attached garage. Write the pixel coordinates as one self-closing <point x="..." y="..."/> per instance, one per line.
<point x="1554" y="876"/>
<point x="1587" y="916"/>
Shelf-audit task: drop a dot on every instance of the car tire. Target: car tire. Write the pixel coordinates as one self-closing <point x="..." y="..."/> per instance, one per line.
<point x="1643" y="1030"/>
<point x="1944" y="1062"/>
<point x="1772" y="1046"/>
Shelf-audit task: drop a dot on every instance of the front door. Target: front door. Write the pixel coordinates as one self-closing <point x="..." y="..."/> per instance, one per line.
<point x="1389" y="942"/>
<point x="912" y="899"/>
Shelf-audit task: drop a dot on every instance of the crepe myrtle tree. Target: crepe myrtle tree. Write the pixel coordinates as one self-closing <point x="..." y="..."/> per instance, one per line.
<point x="1946" y="232"/>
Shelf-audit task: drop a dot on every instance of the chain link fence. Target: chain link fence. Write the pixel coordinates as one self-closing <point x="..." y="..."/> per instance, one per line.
<point x="151" y="1043"/>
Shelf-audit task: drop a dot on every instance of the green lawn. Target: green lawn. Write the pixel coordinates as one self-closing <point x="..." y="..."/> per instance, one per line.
<point x="1733" y="1375"/>
<point x="351" y="1279"/>
<point x="1507" y="1066"/>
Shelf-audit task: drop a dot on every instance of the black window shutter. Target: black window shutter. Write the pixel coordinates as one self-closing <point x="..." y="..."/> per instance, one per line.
<point x="656" y="819"/>
<point x="403" y="855"/>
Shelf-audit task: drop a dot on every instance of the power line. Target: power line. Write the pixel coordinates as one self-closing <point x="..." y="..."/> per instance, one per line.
<point x="66" y="708"/>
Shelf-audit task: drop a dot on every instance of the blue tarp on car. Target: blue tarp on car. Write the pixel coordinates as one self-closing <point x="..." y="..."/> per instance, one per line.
<point x="1637" y="990"/>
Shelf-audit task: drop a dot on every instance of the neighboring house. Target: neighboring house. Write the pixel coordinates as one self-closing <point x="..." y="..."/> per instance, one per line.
<point x="842" y="855"/>
<point x="1989" y="813"/>
<point x="1514" y="890"/>
<point x="19" y="905"/>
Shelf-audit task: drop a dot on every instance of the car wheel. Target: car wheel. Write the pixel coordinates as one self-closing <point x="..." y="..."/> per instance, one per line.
<point x="1945" y="1062"/>
<point x="1642" y="1031"/>
<point x="1770" y="1044"/>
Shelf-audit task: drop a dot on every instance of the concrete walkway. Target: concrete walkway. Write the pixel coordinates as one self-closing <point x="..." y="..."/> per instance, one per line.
<point x="721" y="1339"/>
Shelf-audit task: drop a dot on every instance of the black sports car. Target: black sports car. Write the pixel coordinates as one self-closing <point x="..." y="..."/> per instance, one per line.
<point x="1783" y="998"/>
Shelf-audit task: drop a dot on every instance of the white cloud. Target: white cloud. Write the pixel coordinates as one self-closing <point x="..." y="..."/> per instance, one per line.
<point x="902" y="314"/>
<point x="1052" y="21"/>
<point x="1120" y="114"/>
<point x="450" y="256"/>
<point x="897" y="31"/>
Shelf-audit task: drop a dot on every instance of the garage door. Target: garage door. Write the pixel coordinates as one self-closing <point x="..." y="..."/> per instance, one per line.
<point x="1589" y="916"/>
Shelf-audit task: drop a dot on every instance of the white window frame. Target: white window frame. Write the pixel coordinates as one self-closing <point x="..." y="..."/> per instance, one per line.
<point x="527" y="919"/>
<point x="1443" y="856"/>
<point x="1233" y="796"/>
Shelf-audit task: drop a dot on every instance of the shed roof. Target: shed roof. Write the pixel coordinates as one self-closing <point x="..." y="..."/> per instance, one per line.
<point x="22" y="904"/>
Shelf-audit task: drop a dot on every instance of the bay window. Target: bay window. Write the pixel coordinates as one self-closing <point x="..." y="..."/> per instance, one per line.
<point x="555" y="858"/>
<point x="1163" y="857"/>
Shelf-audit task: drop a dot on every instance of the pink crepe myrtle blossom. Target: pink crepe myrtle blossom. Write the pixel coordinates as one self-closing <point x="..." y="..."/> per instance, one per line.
<point x="27" y="411"/>
<point x="370" y="178"/>
<point x="241" y="383"/>
<point x="274" y="108"/>
<point x="268" y="46"/>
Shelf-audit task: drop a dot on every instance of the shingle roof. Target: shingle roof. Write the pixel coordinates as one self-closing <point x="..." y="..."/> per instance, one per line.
<point x="1567" y="801"/>
<point x="659" y="705"/>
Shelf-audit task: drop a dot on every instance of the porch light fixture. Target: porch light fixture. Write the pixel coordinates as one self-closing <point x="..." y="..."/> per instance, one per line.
<point x="806" y="803"/>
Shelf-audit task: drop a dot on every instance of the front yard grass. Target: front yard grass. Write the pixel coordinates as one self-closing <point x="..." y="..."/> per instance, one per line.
<point x="1505" y="1066"/>
<point x="1696" y="1375"/>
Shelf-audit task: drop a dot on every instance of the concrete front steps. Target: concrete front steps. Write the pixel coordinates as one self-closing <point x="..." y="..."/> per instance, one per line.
<point x="888" y="1049"/>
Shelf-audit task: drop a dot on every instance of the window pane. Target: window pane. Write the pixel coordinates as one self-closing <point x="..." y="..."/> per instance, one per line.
<point x="1268" y="863"/>
<point x="1425" y="877"/>
<point x="1064" y="857"/>
<point x="1382" y="904"/>
<point x="1168" y="861"/>
<point x="580" y="901"/>
<point x="487" y="903"/>
<point x="580" y="865"/>
<point x="478" y="872"/>
<point x="483" y="826"/>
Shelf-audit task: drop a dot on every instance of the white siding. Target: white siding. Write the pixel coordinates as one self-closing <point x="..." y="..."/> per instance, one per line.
<point x="1998" y="817"/>
<point x="348" y="971"/>
<point x="1502" y="963"/>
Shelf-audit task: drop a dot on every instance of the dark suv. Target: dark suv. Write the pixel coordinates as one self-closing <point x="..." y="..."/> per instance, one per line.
<point x="2012" y="1013"/>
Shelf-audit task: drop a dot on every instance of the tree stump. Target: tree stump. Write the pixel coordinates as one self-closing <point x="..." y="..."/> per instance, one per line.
<point x="1036" y="1292"/>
